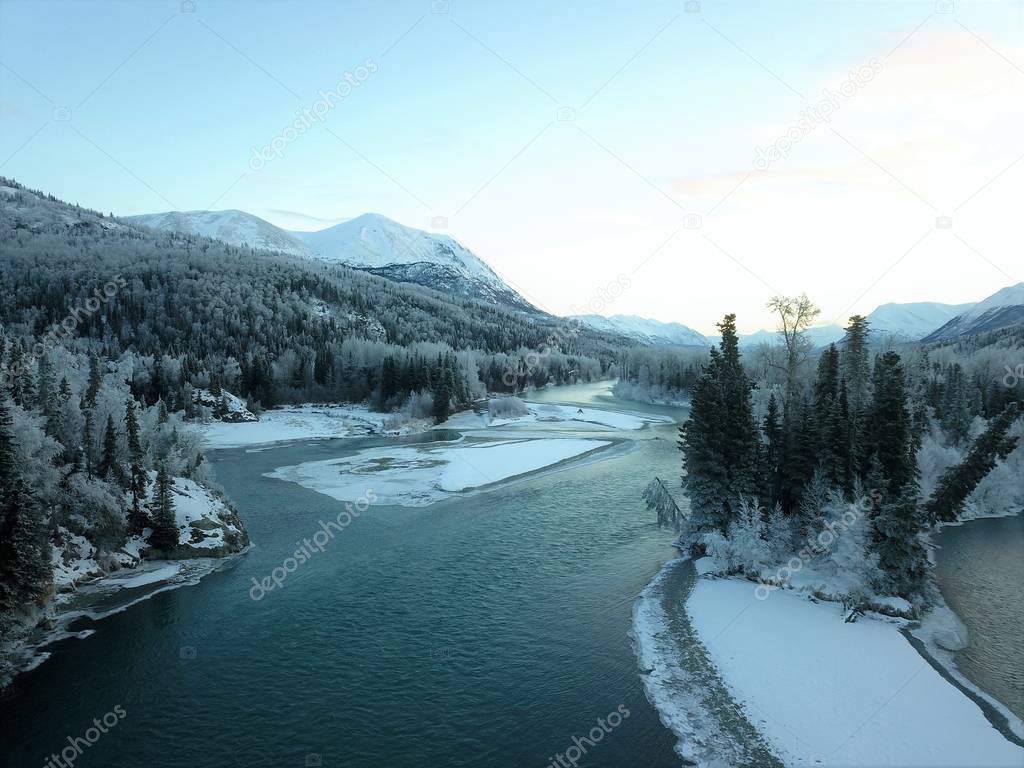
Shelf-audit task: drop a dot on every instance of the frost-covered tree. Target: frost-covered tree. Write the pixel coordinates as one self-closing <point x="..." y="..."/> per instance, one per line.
<point x="957" y="483"/>
<point x="902" y="558"/>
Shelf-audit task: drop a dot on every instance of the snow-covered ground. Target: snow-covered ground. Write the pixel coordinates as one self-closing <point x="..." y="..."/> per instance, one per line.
<point x="311" y="421"/>
<point x="824" y="692"/>
<point x="207" y="527"/>
<point x="302" y="422"/>
<point x="414" y="476"/>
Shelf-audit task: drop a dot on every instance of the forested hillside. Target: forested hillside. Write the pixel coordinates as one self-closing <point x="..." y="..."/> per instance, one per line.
<point x="270" y="327"/>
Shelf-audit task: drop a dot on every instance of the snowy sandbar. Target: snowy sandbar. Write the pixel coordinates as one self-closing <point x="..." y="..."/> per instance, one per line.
<point x="414" y="476"/>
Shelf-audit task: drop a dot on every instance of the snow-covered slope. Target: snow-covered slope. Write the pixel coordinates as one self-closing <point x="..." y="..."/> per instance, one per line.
<point x="912" y="321"/>
<point x="234" y="227"/>
<point x="377" y="244"/>
<point x="371" y="242"/>
<point x="646" y="331"/>
<point x="1003" y="309"/>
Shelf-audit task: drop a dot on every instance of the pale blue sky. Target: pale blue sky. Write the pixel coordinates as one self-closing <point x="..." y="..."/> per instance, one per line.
<point x="460" y="120"/>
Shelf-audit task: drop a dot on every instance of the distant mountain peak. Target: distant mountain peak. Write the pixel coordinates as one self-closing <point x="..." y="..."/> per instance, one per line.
<point x="370" y="242"/>
<point x="377" y="244"/>
<point x="912" y="321"/>
<point x="1003" y="309"/>
<point x="646" y="331"/>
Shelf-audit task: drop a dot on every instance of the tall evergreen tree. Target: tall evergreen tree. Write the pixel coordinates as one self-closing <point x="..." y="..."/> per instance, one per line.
<point x="164" y="536"/>
<point x="92" y="388"/>
<point x="771" y="428"/>
<point x="24" y="561"/>
<point x="110" y="467"/>
<point x="137" y="478"/>
<point x="719" y="441"/>
<point x="46" y="395"/>
<point x="889" y="425"/>
<point x="901" y="553"/>
<point x="442" y="399"/>
<point x="25" y="570"/>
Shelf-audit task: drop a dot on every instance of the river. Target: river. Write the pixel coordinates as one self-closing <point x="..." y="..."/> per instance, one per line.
<point x="485" y="629"/>
<point x="488" y="629"/>
<point x="980" y="569"/>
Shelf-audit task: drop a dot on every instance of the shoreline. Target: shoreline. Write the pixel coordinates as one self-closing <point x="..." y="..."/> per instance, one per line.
<point x="682" y="712"/>
<point x="23" y="654"/>
<point x="944" y="660"/>
<point x="681" y="682"/>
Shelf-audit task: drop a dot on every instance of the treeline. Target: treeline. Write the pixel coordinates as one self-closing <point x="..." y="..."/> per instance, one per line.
<point x="848" y="436"/>
<point x="653" y="374"/>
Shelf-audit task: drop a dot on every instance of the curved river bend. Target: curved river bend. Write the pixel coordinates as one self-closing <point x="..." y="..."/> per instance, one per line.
<point x="486" y="629"/>
<point x="482" y="630"/>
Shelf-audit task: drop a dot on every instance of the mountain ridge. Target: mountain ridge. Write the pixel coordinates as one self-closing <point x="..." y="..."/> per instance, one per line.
<point x="370" y="242"/>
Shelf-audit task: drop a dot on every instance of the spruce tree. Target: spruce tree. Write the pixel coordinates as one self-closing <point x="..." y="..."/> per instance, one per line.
<point x="47" y="396"/>
<point x="88" y="437"/>
<point x="164" y="536"/>
<point x="889" y="425"/>
<point x="24" y="556"/>
<point x="719" y="441"/>
<point x="901" y="554"/>
<point x="109" y="467"/>
<point x="138" y="480"/>
<point x="25" y="570"/>
<point x="442" y="400"/>
<point x="92" y="388"/>
<point x="771" y="428"/>
<point x="856" y="367"/>
<point x="856" y="371"/>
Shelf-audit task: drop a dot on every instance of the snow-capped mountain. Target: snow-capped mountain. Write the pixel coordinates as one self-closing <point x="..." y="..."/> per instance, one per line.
<point x="377" y="244"/>
<point x="371" y="242"/>
<point x="234" y="227"/>
<point x="910" y="322"/>
<point x="1003" y="309"/>
<point x="645" y="331"/>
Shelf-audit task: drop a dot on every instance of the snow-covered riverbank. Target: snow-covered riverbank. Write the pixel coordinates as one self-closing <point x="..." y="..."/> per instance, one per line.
<point x="328" y="421"/>
<point x="305" y="422"/>
<point x="825" y="692"/>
